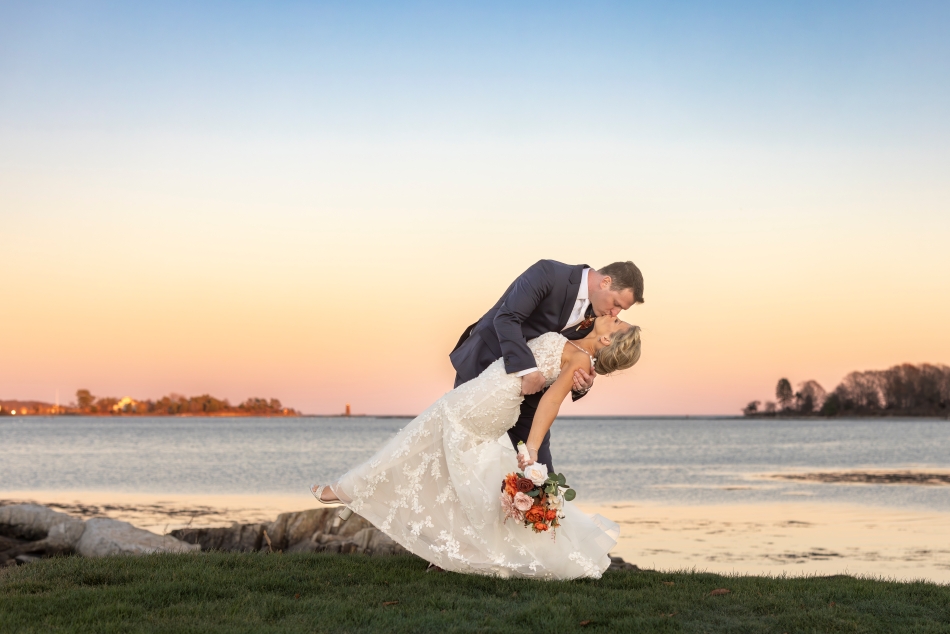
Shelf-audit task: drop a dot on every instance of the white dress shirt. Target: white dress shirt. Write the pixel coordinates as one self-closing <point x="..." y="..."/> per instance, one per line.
<point x="577" y="313"/>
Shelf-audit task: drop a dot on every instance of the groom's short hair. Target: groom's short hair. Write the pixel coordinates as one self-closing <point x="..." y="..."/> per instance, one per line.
<point x="624" y="275"/>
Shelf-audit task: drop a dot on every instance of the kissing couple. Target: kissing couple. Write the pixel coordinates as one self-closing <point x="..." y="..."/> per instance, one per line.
<point x="434" y="487"/>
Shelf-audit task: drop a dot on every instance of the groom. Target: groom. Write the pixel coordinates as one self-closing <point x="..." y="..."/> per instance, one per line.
<point x="548" y="297"/>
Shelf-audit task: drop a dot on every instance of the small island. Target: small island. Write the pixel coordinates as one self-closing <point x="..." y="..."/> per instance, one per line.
<point x="903" y="390"/>
<point x="172" y="405"/>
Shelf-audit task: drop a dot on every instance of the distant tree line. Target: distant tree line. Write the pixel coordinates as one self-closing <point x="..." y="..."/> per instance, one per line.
<point x="904" y="390"/>
<point x="177" y="405"/>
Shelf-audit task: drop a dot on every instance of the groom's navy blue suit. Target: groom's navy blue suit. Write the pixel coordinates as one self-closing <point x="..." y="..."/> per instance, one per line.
<point x="539" y="301"/>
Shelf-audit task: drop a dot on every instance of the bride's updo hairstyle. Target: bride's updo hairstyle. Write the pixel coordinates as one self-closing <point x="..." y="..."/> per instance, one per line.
<point x="622" y="353"/>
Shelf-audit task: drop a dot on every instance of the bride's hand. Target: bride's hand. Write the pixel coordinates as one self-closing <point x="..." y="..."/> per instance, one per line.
<point x="531" y="459"/>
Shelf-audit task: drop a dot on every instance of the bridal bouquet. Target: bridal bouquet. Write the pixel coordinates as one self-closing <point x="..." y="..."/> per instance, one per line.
<point x="535" y="497"/>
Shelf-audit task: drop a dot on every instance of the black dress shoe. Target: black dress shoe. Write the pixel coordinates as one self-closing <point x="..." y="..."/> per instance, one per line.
<point x="433" y="568"/>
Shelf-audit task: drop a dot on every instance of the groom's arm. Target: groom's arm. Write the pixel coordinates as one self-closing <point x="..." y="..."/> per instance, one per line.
<point x="526" y="294"/>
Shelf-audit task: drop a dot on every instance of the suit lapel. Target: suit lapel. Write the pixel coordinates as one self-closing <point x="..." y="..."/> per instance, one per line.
<point x="570" y="295"/>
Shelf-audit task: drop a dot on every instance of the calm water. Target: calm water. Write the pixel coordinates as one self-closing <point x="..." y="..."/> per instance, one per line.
<point x="679" y="461"/>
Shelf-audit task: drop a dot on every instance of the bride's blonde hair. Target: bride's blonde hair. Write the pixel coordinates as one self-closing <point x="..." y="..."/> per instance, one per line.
<point x="622" y="353"/>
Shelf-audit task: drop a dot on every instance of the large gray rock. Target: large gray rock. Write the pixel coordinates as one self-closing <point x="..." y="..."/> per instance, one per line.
<point x="30" y="529"/>
<point x="299" y="532"/>
<point x="314" y="531"/>
<point x="283" y="533"/>
<point x="6" y="543"/>
<point x="290" y="529"/>
<point x="239" y="538"/>
<point x="33" y="522"/>
<point x="617" y="563"/>
<point x="103" y="537"/>
<point x="367" y="541"/>
<point x="63" y="537"/>
<point x="383" y="544"/>
<point x="373" y="541"/>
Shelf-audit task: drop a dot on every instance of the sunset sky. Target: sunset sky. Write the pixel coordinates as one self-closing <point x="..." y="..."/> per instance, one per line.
<point x="311" y="200"/>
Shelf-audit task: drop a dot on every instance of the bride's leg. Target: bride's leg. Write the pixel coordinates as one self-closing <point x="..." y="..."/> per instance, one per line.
<point x="325" y="495"/>
<point x="328" y="495"/>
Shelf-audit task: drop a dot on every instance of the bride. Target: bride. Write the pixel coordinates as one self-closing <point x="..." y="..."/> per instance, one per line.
<point x="434" y="487"/>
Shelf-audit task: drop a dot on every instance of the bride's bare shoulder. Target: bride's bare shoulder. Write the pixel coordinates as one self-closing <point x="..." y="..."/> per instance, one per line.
<point x="572" y="357"/>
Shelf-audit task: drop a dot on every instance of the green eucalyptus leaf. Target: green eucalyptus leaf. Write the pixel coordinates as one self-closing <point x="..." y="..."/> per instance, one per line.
<point x="570" y="494"/>
<point x="561" y="479"/>
<point x="534" y="493"/>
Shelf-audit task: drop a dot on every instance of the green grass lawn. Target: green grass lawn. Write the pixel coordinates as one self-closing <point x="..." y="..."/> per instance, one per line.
<point x="217" y="592"/>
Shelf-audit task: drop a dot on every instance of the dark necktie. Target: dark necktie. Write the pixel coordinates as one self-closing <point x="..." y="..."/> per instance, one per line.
<point x="581" y="330"/>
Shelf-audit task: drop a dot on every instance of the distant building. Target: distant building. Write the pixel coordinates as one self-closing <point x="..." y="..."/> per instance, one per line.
<point x="27" y="408"/>
<point x="125" y="404"/>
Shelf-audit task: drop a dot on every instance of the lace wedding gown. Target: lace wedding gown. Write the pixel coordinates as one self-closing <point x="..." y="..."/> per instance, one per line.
<point x="434" y="488"/>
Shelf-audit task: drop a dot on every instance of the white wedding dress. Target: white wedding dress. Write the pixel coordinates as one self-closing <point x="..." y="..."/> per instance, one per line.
<point x="434" y="488"/>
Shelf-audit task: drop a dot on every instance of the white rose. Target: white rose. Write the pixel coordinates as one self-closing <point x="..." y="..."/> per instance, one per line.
<point x="537" y="473"/>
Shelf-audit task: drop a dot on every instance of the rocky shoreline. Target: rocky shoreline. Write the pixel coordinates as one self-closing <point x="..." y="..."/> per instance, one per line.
<point x="300" y="532"/>
<point x="29" y="532"/>
<point x="870" y="477"/>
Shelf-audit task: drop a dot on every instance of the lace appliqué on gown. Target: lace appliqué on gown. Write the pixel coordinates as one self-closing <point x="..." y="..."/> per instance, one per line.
<point x="434" y="487"/>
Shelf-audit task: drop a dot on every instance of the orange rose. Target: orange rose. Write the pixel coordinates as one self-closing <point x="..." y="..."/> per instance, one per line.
<point x="534" y="514"/>
<point x="540" y="526"/>
<point x="550" y="515"/>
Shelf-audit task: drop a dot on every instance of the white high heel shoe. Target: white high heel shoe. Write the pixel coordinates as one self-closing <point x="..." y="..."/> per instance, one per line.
<point x="344" y="513"/>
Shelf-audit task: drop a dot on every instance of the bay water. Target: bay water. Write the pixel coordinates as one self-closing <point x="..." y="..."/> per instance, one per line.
<point x="676" y="461"/>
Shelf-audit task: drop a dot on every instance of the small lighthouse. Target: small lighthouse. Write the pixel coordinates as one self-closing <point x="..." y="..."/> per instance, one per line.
<point x="347" y="413"/>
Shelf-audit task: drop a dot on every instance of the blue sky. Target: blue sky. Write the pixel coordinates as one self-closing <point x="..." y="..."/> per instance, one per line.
<point x="744" y="72"/>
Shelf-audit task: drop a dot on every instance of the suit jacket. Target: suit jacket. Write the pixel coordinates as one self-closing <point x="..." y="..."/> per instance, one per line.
<point x="539" y="301"/>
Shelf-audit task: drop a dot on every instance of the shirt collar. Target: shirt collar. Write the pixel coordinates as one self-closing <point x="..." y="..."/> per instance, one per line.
<point x="582" y="291"/>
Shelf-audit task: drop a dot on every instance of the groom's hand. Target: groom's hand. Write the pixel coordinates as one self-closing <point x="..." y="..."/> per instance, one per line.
<point x="532" y="383"/>
<point x="583" y="381"/>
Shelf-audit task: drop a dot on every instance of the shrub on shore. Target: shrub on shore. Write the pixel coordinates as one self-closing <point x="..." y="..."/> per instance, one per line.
<point x="903" y="390"/>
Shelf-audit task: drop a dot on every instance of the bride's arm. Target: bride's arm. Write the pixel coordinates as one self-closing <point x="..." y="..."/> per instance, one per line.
<point x="551" y="402"/>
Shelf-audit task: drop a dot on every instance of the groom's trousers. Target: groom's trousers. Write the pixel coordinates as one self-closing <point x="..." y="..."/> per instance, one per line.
<point x="523" y="427"/>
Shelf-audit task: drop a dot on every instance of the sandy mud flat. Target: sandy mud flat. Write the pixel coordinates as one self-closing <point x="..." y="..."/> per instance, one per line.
<point x="791" y="538"/>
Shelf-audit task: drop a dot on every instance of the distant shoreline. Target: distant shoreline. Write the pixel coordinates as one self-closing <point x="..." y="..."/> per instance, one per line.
<point x="151" y="415"/>
<point x="171" y="405"/>
<point x="797" y="416"/>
